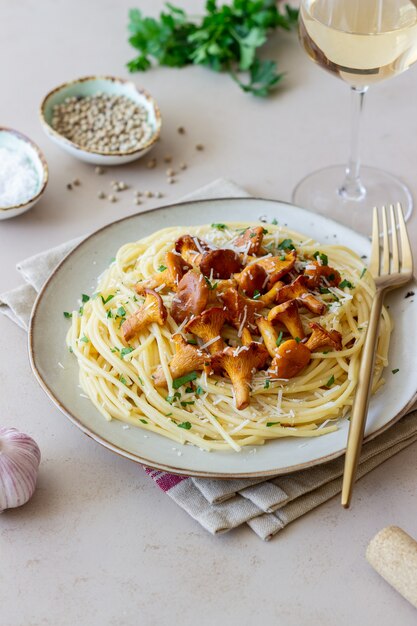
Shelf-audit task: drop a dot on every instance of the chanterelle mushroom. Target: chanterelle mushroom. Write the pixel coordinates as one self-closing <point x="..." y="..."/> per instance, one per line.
<point x="220" y="263"/>
<point x="269" y="297"/>
<point x="207" y="326"/>
<point x="287" y="313"/>
<point x="191" y="297"/>
<point x="298" y="291"/>
<point x="253" y="237"/>
<point x="290" y="359"/>
<point x="240" y="364"/>
<point x="268" y="334"/>
<point x="277" y="266"/>
<point x="315" y="272"/>
<point x="252" y="279"/>
<point x="152" y="310"/>
<point x="191" y="248"/>
<point x="240" y="310"/>
<point x="187" y="358"/>
<point x="320" y="338"/>
<point x="175" y="269"/>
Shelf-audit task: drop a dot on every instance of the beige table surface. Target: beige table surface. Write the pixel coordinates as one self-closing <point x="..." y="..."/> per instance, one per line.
<point x="99" y="544"/>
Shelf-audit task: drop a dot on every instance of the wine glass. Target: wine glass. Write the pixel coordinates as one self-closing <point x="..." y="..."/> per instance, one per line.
<point x="362" y="42"/>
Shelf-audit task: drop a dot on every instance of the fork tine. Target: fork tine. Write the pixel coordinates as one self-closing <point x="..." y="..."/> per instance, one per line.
<point x="385" y="242"/>
<point x="374" y="261"/>
<point x="395" y="257"/>
<point x="407" y="256"/>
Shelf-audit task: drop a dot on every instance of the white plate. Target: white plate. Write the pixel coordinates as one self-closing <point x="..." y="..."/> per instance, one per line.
<point x="78" y="274"/>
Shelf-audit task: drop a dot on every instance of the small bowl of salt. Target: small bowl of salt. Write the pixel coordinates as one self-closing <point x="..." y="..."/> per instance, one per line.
<point x="23" y="173"/>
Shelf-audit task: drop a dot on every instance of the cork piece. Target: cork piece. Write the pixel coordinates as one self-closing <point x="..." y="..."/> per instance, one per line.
<point x="393" y="554"/>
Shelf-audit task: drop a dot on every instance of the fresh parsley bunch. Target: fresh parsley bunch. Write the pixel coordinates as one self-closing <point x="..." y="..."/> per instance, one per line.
<point x="226" y="38"/>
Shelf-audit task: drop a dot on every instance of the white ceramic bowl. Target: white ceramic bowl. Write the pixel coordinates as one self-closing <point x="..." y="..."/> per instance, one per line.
<point x="90" y="86"/>
<point x="16" y="141"/>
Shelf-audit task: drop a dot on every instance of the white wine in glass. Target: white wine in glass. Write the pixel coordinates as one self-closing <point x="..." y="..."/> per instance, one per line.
<point x="362" y="42"/>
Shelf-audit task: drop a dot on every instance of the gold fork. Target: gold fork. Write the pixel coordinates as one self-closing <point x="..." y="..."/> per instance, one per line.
<point x="390" y="268"/>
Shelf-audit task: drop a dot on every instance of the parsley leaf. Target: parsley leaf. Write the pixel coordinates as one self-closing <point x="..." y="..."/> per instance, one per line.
<point x="162" y="268"/>
<point x="185" y="425"/>
<point x="256" y="294"/>
<point x="323" y="257"/>
<point x="330" y="382"/>
<point x="269" y="424"/>
<point x="110" y="297"/>
<point x="84" y="297"/>
<point x="67" y="315"/>
<point x="121" y="312"/>
<point x="362" y="273"/>
<point x="179" y="382"/>
<point x="267" y="383"/>
<point x="84" y="339"/>
<point x="125" y="351"/>
<point x="287" y="244"/>
<point x="345" y="283"/>
<point x="219" y="226"/>
<point x="280" y="336"/>
<point x="395" y="371"/>
<point x="143" y="421"/>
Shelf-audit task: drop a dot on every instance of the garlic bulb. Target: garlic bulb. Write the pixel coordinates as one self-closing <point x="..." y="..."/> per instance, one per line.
<point x="19" y="462"/>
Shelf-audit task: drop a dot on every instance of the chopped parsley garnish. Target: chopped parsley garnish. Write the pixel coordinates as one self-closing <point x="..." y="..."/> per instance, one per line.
<point x="172" y="399"/>
<point x="271" y="424"/>
<point x="67" y="315"/>
<point x="199" y="391"/>
<point x="323" y="257"/>
<point x="280" y="336"/>
<point x="105" y="301"/>
<point x="219" y="226"/>
<point x="395" y="371"/>
<point x="267" y="383"/>
<point x="274" y="221"/>
<point x="252" y="235"/>
<point x="363" y="272"/>
<point x="287" y="244"/>
<point x="143" y="421"/>
<point x="162" y="268"/>
<point x="122" y="379"/>
<point x="297" y="339"/>
<point x="84" y="339"/>
<point x="330" y="382"/>
<point x="256" y="294"/>
<point x="121" y="312"/>
<point x="326" y="352"/>
<point x="210" y="285"/>
<point x="115" y="349"/>
<point x="264" y="231"/>
<point x="193" y="342"/>
<point x="324" y="290"/>
<point x="179" y="382"/>
<point x="70" y="349"/>
<point x="112" y="260"/>
<point x="84" y="297"/>
<point x="168" y="415"/>
<point x="185" y="425"/>
<point x="189" y="390"/>
<point x="185" y="403"/>
<point x="81" y="311"/>
<point x="345" y="283"/>
<point x="125" y="351"/>
<point x="109" y="313"/>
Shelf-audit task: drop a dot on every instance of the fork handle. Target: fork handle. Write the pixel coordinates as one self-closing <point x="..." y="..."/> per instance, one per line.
<point x="361" y="400"/>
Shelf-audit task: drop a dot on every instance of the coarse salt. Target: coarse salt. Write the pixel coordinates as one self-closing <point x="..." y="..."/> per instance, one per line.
<point x="19" y="181"/>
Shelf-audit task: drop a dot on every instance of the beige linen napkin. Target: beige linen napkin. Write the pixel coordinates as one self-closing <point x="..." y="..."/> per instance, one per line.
<point x="267" y="506"/>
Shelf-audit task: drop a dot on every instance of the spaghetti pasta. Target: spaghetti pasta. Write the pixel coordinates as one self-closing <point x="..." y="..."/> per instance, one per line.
<point x="119" y="376"/>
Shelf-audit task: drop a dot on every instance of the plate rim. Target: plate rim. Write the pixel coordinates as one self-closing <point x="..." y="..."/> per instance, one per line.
<point x="135" y="457"/>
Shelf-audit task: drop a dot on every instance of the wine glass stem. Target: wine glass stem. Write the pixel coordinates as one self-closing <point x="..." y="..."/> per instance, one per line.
<point x="352" y="188"/>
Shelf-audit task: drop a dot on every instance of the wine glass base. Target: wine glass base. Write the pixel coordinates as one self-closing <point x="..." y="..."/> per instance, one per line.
<point x="319" y="192"/>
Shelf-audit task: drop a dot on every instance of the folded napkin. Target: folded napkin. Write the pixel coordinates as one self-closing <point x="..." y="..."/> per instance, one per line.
<point x="267" y="506"/>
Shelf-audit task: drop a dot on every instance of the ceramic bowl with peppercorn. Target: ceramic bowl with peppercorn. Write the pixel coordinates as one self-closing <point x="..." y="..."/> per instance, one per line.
<point x="101" y="119"/>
